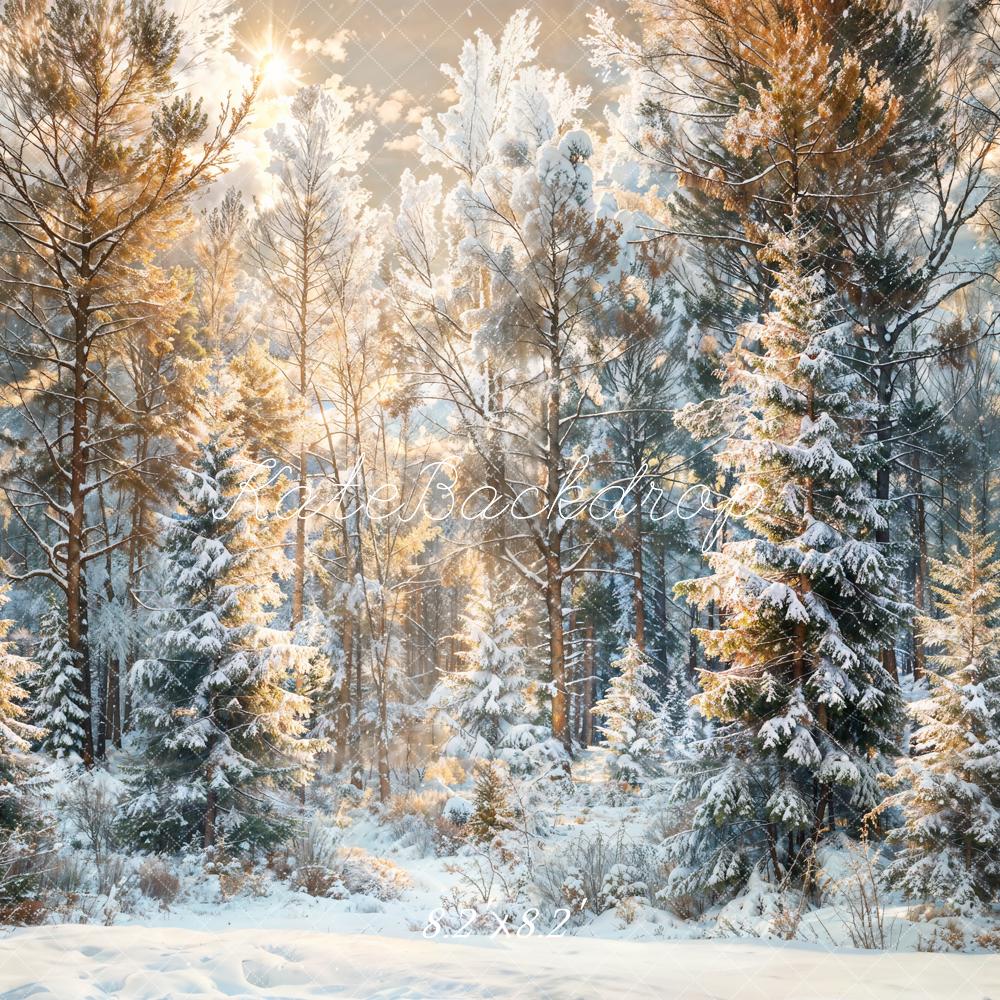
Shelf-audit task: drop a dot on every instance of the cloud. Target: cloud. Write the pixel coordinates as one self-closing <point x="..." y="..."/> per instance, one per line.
<point x="333" y="48"/>
<point x="401" y="106"/>
<point x="390" y="111"/>
<point x="404" y="144"/>
<point x="363" y="99"/>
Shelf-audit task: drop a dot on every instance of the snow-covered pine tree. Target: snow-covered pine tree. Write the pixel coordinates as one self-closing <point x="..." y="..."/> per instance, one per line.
<point x="58" y="708"/>
<point x="951" y="835"/>
<point x="483" y="703"/>
<point x="16" y="735"/>
<point x="219" y="731"/>
<point x="806" y="713"/>
<point x="630" y="707"/>
<point x="675" y="702"/>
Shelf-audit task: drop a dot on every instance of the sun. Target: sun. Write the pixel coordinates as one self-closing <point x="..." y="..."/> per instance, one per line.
<point x="276" y="73"/>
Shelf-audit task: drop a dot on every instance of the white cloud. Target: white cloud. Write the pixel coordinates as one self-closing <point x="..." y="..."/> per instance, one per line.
<point x="404" y="144"/>
<point x="390" y="111"/>
<point x="333" y="47"/>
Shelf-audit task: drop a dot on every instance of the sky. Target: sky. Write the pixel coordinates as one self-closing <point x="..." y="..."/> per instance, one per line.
<point x="390" y="55"/>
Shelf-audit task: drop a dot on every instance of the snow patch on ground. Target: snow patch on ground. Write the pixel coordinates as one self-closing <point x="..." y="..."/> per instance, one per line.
<point x="142" y="963"/>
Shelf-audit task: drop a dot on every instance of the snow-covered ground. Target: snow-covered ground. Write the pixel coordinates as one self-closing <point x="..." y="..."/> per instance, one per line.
<point x="392" y="923"/>
<point x="143" y="963"/>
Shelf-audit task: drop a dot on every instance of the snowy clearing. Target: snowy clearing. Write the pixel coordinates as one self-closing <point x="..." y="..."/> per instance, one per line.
<point x="137" y="963"/>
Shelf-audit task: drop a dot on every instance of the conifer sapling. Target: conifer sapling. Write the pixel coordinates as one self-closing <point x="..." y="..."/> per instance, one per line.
<point x="632" y="726"/>
<point x="950" y="839"/>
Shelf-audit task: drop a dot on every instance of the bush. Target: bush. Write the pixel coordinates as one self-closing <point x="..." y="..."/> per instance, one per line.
<point x="448" y="836"/>
<point x="596" y="873"/>
<point x="314" y="865"/>
<point x="110" y="873"/>
<point x="368" y="875"/>
<point x="317" y="880"/>
<point x="157" y="881"/>
<point x="426" y="821"/>
<point x="67" y="874"/>
<point x="89" y="807"/>
<point x="621" y="882"/>
<point x="457" y="810"/>
<point x="662" y="827"/>
<point x="24" y="863"/>
<point x="236" y="876"/>
<point x="350" y="794"/>
<point x="23" y="912"/>
<point x="412" y="817"/>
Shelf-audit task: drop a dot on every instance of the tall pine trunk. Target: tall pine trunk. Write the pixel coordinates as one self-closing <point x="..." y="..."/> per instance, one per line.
<point x="638" y="581"/>
<point x="76" y="606"/>
<point x="883" y="477"/>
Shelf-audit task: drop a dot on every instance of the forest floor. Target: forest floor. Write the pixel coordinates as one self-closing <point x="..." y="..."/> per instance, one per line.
<point x="413" y="913"/>
<point x="143" y="963"/>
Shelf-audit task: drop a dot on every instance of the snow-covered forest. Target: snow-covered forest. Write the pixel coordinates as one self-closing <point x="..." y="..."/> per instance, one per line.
<point x="587" y="532"/>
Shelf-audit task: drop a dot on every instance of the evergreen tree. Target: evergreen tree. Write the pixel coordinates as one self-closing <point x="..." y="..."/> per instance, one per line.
<point x="484" y="702"/>
<point x="102" y="151"/>
<point x="58" y="708"/>
<point x="258" y="407"/>
<point x="16" y="734"/>
<point x="220" y="733"/>
<point x="491" y="809"/>
<point x="951" y="835"/>
<point x="675" y="703"/>
<point x="806" y="711"/>
<point x="630" y="708"/>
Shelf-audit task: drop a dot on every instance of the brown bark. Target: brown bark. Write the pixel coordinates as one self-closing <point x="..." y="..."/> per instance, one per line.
<point x="638" y="581"/>
<point x="382" y="741"/>
<point x="342" y="722"/>
<point x="557" y="653"/>
<point x="920" y="574"/>
<point x="588" y="687"/>
<point x="208" y="836"/>
<point x="76" y="611"/>
<point x="299" y="582"/>
<point x="883" y="481"/>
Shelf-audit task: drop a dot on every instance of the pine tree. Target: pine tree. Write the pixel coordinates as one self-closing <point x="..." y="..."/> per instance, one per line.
<point x="258" y="408"/>
<point x="220" y="734"/>
<point x="806" y="711"/>
<point x="58" y="707"/>
<point x="491" y="809"/>
<point x="96" y="190"/>
<point x="484" y="702"/>
<point x="537" y="264"/>
<point x="675" y="703"/>
<point x="951" y="835"/>
<point x="16" y="735"/>
<point x="630" y="708"/>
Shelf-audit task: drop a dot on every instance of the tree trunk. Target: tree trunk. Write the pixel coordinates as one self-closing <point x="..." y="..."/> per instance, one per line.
<point x="920" y="575"/>
<point x="382" y="748"/>
<point x="299" y="582"/>
<point x="692" y="643"/>
<point x="76" y="610"/>
<point x="342" y="723"/>
<point x="112" y="701"/>
<point x="208" y="836"/>
<point x="587" y="737"/>
<point x="638" y="582"/>
<point x="557" y="652"/>
<point x="883" y="478"/>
